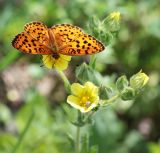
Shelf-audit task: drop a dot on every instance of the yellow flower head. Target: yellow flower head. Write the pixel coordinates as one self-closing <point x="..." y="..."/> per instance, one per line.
<point x="115" y="16"/>
<point x="84" y="98"/>
<point x="59" y="61"/>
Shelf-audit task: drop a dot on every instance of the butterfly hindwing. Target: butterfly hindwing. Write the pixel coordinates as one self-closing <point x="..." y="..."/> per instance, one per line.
<point x="83" y="45"/>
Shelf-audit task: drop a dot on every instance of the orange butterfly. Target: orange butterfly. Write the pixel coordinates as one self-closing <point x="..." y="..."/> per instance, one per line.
<point x="62" y="38"/>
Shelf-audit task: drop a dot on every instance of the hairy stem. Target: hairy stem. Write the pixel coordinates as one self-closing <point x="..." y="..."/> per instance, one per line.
<point x="65" y="80"/>
<point x="77" y="140"/>
<point x="92" y="61"/>
<point x="111" y="100"/>
<point x="78" y="132"/>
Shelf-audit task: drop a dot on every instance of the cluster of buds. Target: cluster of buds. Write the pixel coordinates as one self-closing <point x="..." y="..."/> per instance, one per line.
<point x="91" y="94"/>
<point x="129" y="89"/>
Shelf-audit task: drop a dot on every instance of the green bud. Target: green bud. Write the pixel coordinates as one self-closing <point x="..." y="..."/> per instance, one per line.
<point x="113" y="21"/>
<point x="94" y="26"/>
<point x="104" y="92"/>
<point x="128" y="94"/>
<point x="122" y="83"/>
<point x="139" y="80"/>
<point x="94" y="22"/>
<point x="85" y="73"/>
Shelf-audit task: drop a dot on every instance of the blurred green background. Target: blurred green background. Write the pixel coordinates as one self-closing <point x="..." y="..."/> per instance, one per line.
<point x="35" y="96"/>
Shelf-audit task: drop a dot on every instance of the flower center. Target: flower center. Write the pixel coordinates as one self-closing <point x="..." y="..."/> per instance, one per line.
<point x="85" y="101"/>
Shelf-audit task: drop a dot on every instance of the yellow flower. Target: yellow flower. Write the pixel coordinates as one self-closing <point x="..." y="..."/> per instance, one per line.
<point x="139" y="80"/>
<point x="59" y="61"/>
<point x="84" y="98"/>
<point x="115" y="16"/>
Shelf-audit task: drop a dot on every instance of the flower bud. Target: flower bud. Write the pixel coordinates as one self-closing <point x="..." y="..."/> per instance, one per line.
<point x="121" y="83"/>
<point x="128" y="93"/>
<point x="112" y="21"/>
<point x="115" y="16"/>
<point x="104" y="92"/>
<point x="139" y="80"/>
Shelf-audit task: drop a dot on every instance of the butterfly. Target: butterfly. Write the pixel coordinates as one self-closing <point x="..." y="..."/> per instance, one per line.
<point x="65" y="39"/>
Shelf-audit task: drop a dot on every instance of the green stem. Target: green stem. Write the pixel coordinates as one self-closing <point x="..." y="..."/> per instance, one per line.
<point x="77" y="140"/>
<point x="77" y="143"/>
<point x="65" y="80"/>
<point x="105" y="19"/>
<point x="89" y="116"/>
<point x="22" y="135"/>
<point x="111" y="100"/>
<point x="92" y="61"/>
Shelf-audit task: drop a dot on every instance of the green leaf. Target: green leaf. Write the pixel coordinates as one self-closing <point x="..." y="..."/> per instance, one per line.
<point x="8" y="59"/>
<point x="94" y="149"/>
<point x="70" y="138"/>
<point x="85" y="73"/>
<point x="7" y="142"/>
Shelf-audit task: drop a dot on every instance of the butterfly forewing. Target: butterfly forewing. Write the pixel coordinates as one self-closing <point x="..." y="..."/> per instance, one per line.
<point x="38" y="31"/>
<point x="27" y="44"/>
<point x="84" y="44"/>
<point x="65" y="33"/>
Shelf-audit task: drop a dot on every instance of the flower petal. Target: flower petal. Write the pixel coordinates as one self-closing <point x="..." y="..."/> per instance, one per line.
<point x="115" y="16"/>
<point x="65" y="57"/>
<point x="77" y="89"/>
<point x="84" y="98"/>
<point x="89" y="85"/>
<point x="48" y="61"/>
<point x="93" y="105"/>
<point x="74" y="101"/>
<point x="91" y="88"/>
<point x="61" y="64"/>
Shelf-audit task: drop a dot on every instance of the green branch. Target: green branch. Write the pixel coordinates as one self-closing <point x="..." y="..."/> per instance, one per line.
<point x="111" y="100"/>
<point x="65" y="80"/>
